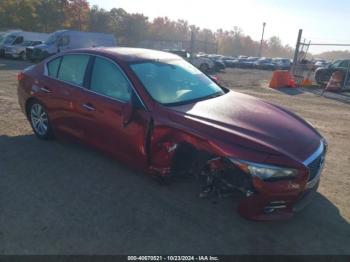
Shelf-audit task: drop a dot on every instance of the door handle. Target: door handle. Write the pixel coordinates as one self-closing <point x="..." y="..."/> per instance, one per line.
<point x="88" y="107"/>
<point x="45" y="90"/>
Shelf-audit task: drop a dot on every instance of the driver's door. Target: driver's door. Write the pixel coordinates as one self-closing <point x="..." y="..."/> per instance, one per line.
<point x="103" y="107"/>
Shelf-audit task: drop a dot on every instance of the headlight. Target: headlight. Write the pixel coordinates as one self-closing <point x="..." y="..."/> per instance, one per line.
<point x="265" y="172"/>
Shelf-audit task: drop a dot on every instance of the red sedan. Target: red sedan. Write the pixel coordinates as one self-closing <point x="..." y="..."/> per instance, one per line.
<point x="154" y="111"/>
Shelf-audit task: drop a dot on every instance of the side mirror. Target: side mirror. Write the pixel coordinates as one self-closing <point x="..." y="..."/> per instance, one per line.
<point x="129" y="110"/>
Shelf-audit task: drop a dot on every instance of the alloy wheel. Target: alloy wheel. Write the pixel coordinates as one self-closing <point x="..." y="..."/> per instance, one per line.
<point x="39" y="119"/>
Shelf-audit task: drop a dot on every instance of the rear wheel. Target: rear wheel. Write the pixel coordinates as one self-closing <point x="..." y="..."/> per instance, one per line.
<point x="39" y="120"/>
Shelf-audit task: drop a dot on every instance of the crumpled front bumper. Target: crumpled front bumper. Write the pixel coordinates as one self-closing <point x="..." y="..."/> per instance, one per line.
<point x="271" y="205"/>
<point x="280" y="199"/>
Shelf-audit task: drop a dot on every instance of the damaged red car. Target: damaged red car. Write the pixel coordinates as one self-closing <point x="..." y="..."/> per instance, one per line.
<point x="156" y="112"/>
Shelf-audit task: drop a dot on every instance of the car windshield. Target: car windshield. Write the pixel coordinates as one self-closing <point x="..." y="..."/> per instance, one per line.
<point x="9" y="39"/>
<point x="175" y="82"/>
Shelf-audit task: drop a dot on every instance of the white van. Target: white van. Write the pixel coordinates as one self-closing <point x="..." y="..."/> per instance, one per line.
<point x="18" y="37"/>
<point x="66" y="40"/>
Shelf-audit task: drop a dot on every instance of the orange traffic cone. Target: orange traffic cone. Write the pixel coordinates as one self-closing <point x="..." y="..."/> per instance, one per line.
<point x="279" y="79"/>
<point x="291" y="82"/>
<point x="306" y="82"/>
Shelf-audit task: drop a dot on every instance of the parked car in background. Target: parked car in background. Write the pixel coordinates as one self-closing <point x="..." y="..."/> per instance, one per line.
<point x="248" y="62"/>
<point x="240" y="62"/>
<point x="282" y="63"/>
<point x="323" y="74"/>
<point x="158" y="113"/>
<point x="265" y="64"/>
<point x="218" y="61"/>
<point x="203" y="63"/>
<point x="13" y="38"/>
<point x="219" y="65"/>
<point x="230" y="61"/>
<point x="19" y="51"/>
<point x="320" y="63"/>
<point x="64" y="40"/>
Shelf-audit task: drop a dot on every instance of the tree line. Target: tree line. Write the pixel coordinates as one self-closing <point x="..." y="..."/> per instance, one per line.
<point x="130" y="29"/>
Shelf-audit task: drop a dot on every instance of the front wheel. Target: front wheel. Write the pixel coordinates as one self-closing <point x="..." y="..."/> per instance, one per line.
<point x="322" y="78"/>
<point x="39" y="120"/>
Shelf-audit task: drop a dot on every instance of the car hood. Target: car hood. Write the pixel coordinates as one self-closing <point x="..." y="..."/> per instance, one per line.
<point x="41" y="46"/>
<point x="250" y="122"/>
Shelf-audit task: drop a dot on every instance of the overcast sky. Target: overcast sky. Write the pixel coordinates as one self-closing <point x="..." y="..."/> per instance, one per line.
<point x="322" y="20"/>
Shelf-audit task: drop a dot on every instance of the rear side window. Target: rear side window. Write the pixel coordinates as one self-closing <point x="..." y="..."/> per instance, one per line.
<point x="107" y="79"/>
<point x="52" y="67"/>
<point x="72" y="69"/>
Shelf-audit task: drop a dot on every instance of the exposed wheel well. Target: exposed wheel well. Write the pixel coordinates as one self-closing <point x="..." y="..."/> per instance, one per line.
<point x="188" y="159"/>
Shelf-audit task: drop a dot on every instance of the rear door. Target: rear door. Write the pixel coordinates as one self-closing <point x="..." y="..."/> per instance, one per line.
<point x="102" y="109"/>
<point x="62" y="88"/>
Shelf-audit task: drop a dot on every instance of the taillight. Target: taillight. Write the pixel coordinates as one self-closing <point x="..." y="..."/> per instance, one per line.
<point x="20" y="76"/>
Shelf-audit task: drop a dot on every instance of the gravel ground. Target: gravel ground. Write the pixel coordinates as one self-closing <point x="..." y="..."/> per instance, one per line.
<point x="59" y="198"/>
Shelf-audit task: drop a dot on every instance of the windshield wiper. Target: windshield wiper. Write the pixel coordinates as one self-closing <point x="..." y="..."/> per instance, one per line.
<point x="195" y="99"/>
<point x="214" y="95"/>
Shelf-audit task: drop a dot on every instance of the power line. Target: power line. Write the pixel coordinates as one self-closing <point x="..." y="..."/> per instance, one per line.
<point x="321" y="44"/>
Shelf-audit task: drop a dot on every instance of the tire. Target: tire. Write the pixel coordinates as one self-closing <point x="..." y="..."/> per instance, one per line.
<point x="39" y="120"/>
<point x="321" y="78"/>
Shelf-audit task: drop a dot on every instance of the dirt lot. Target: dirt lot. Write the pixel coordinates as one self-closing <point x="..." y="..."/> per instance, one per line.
<point x="62" y="198"/>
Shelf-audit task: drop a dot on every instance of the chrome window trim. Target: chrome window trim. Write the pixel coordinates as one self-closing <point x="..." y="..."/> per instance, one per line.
<point x="88" y="90"/>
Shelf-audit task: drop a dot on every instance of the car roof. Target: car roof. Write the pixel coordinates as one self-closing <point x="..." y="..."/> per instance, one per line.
<point x="129" y="54"/>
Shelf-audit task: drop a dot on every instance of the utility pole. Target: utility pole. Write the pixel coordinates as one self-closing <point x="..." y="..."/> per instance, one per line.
<point x="192" y="45"/>
<point x="296" y="52"/>
<point x="262" y="39"/>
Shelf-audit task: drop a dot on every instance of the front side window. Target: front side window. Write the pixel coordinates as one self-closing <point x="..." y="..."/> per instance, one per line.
<point x="64" y="40"/>
<point x="335" y="64"/>
<point x="72" y="69"/>
<point x="175" y="82"/>
<point x="344" y="64"/>
<point x="18" y="40"/>
<point x="52" y="67"/>
<point x="108" y="80"/>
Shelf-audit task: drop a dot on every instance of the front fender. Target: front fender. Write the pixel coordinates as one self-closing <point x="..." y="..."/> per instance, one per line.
<point x="165" y="141"/>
